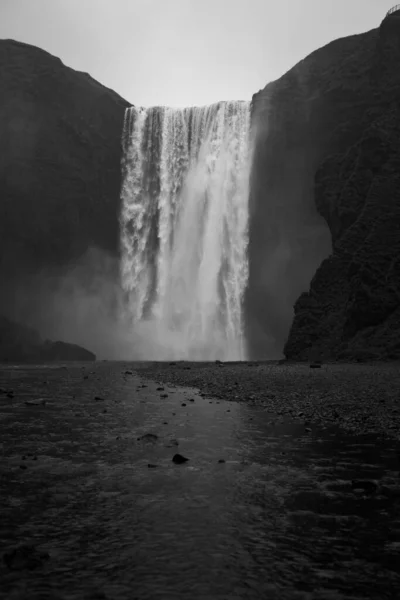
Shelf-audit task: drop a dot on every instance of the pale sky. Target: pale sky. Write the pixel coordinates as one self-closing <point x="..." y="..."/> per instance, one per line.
<point x="185" y="52"/>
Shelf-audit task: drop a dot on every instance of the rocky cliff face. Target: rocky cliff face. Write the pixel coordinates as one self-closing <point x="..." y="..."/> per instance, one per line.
<point x="328" y="137"/>
<point x="60" y="153"/>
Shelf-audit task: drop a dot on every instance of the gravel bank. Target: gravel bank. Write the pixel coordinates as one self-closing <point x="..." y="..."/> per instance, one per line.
<point x="361" y="398"/>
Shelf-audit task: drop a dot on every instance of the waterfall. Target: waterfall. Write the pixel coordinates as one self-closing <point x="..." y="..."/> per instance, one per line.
<point x="184" y="229"/>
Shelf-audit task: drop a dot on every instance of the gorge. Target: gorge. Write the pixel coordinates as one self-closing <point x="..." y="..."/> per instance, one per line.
<point x="322" y="224"/>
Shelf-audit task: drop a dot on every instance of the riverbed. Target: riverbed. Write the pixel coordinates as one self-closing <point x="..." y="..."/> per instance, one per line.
<point x="269" y="504"/>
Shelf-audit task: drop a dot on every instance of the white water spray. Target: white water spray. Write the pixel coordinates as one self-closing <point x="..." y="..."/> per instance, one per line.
<point x="184" y="229"/>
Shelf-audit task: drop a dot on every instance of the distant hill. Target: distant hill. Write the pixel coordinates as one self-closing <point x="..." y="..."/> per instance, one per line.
<point x="22" y="344"/>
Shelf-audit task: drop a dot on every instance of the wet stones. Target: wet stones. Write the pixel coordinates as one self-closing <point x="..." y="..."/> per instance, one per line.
<point x="178" y="459"/>
<point x="40" y="402"/>
<point x="25" y="557"/>
<point x="148" y="437"/>
<point x="366" y="486"/>
<point x="172" y="443"/>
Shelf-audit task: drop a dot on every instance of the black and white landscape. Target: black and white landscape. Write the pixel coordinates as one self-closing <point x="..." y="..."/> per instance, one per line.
<point x="200" y="325"/>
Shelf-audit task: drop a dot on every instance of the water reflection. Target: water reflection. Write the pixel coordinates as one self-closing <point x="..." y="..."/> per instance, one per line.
<point x="293" y="512"/>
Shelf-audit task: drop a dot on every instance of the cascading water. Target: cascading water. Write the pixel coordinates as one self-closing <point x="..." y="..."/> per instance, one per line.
<point x="184" y="229"/>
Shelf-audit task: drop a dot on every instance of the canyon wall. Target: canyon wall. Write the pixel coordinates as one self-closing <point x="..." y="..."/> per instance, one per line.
<point x="60" y="153"/>
<point x="328" y="137"/>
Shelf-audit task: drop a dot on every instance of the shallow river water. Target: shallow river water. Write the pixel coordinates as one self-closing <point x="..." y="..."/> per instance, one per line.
<point x="293" y="512"/>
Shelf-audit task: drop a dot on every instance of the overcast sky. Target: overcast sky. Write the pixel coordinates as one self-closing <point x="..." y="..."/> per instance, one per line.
<point x="185" y="52"/>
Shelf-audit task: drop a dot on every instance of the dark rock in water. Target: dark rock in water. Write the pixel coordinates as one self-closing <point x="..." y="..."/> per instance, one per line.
<point x="369" y="487"/>
<point x="178" y="459"/>
<point x="97" y="595"/>
<point x="172" y="443"/>
<point x="25" y="557"/>
<point x="148" y="437"/>
<point x="19" y="343"/>
<point x="39" y="402"/>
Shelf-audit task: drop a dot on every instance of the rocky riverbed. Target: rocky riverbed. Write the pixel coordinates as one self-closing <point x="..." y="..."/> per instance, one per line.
<point x="275" y="500"/>
<point x="360" y="398"/>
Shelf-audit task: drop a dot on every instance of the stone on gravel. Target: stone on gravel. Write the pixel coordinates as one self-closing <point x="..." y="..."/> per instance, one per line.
<point x="172" y="443"/>
<point x="39" y="402"/>
<point x="178" y="459"/>
<point x="148" y="437"/>
<point x="369" y="487"/>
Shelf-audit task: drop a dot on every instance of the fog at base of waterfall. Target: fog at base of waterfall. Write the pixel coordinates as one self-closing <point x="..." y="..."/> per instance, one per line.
<point x="184" y="230"/>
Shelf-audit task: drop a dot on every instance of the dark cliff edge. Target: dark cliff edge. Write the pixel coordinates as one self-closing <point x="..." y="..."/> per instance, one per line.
<point x="24" y="345"/>
<point x="327" y="139"/>
<point x="60" y="157"/>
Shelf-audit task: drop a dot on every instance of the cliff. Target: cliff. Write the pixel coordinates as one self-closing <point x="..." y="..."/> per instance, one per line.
<point x="327" y="137"/>
<point x="60" y="153"/>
